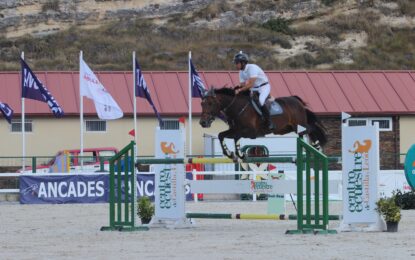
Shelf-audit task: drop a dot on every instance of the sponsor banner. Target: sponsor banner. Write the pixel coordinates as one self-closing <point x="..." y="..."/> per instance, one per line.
<point x="169" y="178"/>
<point x="63" y="189"/>
<point x="261" y="186"/>
<point x="36" y="189"/>
<point x="360" y="155"/>
<point x="410" y="166"/>
<point x="145" y="185"/>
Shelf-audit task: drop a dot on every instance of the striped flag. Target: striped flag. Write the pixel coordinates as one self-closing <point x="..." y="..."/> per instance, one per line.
<point x="141" y="90"/>
<point x="34" y="89"/>
<point x="6" y="111"/>
<point x="198" y="88"/>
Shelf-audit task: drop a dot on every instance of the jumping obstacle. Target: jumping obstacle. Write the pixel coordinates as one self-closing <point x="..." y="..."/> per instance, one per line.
<point x="252" y="216"/>
<point x="314" y="159"/>
<point x="311" y="218"/>
<point x="169" y="187"/>
<point x="123" y="196"/>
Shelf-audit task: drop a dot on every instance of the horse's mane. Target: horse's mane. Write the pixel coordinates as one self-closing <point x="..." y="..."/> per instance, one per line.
<point x="225" y="91"/>
<point x="229" y="91"/>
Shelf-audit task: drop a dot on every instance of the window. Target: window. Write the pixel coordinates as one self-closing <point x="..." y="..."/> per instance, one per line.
<point x="106" y="153"/>
<point x="16" y="126"/>
<point x="89" y="157"/>
<point x="385" y="123"/>
<point x="357" y="122"/>
<point x="170" y="124"/>
<point x="95" y="125"/>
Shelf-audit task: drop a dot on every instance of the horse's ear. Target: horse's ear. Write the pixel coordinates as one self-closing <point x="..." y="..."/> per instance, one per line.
<point x="210" y="92"/>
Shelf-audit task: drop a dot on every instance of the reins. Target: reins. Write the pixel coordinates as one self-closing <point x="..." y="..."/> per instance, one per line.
<point x="233" y="101"/>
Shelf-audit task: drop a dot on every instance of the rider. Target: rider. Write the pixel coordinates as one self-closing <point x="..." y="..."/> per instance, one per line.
<point x="252" y="77"/>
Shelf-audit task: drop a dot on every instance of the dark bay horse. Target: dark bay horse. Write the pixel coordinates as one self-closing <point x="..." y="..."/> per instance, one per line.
<point x="245" y="122"/>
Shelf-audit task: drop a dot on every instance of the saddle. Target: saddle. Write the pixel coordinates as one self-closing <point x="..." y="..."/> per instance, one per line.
<point x="273" y="107"/>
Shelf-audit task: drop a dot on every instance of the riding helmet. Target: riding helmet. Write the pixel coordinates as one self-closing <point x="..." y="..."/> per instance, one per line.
<point x="240" y="57"/>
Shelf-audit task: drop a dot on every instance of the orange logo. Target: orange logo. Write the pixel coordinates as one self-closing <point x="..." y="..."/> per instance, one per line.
<point x="168" y="149"/>
<point x="413" y="164"/>
<point x="361" y="148"/>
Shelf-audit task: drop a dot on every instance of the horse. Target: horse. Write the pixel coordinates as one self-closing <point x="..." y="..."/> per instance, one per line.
<point x="245" y="122"/>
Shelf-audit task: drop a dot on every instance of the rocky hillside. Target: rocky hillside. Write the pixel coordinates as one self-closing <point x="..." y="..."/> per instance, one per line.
<point x="278" y="34"/>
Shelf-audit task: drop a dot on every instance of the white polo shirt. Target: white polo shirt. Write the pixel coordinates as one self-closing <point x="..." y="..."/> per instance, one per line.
<point x="253" y="71"/>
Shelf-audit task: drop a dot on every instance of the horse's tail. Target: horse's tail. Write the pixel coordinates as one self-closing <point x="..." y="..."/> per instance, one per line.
<point x="316" y="131"/>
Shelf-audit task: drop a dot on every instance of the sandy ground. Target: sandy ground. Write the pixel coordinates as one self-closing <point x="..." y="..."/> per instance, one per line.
<point x="72" y="232"/>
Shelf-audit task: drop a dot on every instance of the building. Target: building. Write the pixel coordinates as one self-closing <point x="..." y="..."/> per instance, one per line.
<point x="386" y="97"/>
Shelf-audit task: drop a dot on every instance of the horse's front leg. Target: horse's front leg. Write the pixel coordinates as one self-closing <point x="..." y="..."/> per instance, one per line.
<point x="238" y="152"/>
<point x="225" y="149"/>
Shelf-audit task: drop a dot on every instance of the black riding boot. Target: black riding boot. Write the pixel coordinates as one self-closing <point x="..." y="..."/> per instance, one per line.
<point x="266" y="118"/>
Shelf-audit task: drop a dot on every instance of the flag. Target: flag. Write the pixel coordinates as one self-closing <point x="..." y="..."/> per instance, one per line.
<point x="132" y="132"/>
<point x="6" y="111"/>
<point x="141" y="90"/>
<point x="198" y="88"/>
<point x="34" y="89"/>
<point x="91" y="88"/>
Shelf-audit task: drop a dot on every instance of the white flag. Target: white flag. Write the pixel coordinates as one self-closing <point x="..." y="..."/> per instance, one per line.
<point x="91" y="88"/>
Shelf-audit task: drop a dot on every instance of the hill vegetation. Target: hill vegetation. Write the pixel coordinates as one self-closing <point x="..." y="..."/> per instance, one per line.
<point x="336" y="34"/>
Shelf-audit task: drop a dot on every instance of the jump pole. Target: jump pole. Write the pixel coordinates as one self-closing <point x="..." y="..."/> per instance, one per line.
<point x="251" y="216"/>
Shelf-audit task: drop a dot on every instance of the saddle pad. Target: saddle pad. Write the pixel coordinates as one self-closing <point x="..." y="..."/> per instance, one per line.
<point x="274" y="108"/>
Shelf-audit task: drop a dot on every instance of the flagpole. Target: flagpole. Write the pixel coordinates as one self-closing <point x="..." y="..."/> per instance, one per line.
<point x="23" y="125"/>
<point x="135" y="105"/>
<point x="190" y="106"/>
<point x="81" y="111"/>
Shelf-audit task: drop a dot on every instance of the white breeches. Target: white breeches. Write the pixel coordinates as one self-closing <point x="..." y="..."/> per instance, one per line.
<point x="263" y="93"/>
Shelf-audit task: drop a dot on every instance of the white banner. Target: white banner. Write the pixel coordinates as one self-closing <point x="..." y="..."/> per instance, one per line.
<point x="169" y="178"/>
<point x="360" y="155"/>
<point x="92" y="88"/>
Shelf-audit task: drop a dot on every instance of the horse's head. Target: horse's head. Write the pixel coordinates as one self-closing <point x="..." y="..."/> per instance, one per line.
<point x="210" y="108"/>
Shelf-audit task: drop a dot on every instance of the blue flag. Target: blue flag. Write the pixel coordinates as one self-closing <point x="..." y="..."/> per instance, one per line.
<point x="141" y="90"/>
<point x="6" y="111"/>
<point x="32" y="88"/>
<point x="198" y="88"/>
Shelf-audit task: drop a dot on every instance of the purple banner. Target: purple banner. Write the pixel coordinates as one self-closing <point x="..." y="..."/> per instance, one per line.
<point x="63" y="189"/>
<point x="145" y="185"/>
<point x="79" y="188"/>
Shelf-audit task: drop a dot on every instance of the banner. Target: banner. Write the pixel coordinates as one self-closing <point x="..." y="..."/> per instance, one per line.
<point x="6" y="111"/>
<point x="64" y="189"/>
<point x="198" y="88"/>
<point x="360" y="160"/>
<point x="141" y="90"/>
<point x="169" y="202"/>
<point x="32" y="88"/>
<point x="92" y="88"/>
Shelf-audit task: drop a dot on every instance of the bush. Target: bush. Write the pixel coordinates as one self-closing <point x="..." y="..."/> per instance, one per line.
<point x="328" y="2"/>
<point x="52" y="5"/>
<point x="278" y="25"/>
<point x="145" y="209"/>
<point x="388" y="208"/>
<point x="405" y="200"/>
<point x="407" y="7"/>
